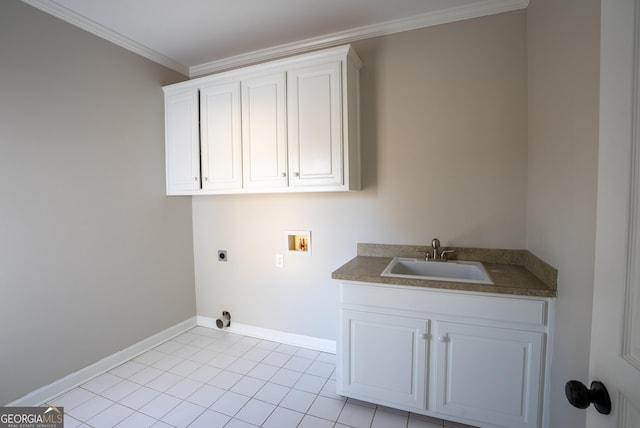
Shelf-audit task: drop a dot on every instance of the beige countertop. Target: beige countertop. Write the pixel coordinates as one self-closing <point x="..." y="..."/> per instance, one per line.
<point x="516" y="272"/>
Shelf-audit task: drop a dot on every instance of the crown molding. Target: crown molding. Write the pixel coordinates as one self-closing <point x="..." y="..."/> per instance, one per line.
<point x="103" y="32"/>
<point x="476" y="10"/>
<point x="488" y="7"/>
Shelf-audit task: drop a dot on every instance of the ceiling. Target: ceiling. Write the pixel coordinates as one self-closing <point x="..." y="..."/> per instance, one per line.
<point x="198" y="37"/>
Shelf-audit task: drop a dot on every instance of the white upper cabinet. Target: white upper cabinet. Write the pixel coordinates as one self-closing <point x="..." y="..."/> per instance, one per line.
<point x="315" y="125"/>
<point x="290" y="125"/>
<point x="264" y="132"/>
<point x="221" y="144"/>
<point x="182" y="142"/>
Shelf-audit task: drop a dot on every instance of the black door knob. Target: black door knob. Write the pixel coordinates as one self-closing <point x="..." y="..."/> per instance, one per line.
<point x="581" y="397"/>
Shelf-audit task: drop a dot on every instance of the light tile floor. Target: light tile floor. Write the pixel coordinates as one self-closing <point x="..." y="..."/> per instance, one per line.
<point x="212" y="378"/>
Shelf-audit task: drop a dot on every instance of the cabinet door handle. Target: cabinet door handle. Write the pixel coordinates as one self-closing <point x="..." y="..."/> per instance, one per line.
<point x="195" y="178"/>
<point x="425" y="336"/>
<point x="284" y="174"/>
<point x="444" y="338"/>
<point x="206" y="179"/>
<point x="296" y="174"/>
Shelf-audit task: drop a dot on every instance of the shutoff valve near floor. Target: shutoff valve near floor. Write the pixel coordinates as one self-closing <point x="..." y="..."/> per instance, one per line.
<point x="224" y="320"/>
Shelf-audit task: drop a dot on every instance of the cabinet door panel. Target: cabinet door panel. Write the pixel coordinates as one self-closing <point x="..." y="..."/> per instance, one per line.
<point x="264" y="139"/>
<point x="221" y="137"/>
<point x="489" y="374"/>
<point x="384" y="358"/>
<point x="182" y="143"/>
<point x="315" y="125"/>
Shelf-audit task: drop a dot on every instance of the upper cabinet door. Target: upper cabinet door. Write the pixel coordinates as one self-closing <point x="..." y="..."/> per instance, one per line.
<point x="315" y="125"/>
<point x="182" y="143"/>
<point x="264" y="132"/>
<point x="221" y="131"/>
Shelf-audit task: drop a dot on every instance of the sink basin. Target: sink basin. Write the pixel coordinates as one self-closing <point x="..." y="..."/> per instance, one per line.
<point x="458" y="271"/>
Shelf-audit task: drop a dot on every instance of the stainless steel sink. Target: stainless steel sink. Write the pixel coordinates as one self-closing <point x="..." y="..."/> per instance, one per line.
<point x="455" y="270"/>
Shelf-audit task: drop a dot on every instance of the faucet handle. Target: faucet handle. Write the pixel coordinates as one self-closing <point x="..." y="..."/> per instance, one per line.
<point x="443" y="254"/>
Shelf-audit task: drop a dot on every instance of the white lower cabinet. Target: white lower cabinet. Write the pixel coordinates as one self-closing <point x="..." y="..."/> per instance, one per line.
<point x="488" y="374"/>
<point x="474" y="358"/>
<point x="386" y="357"/>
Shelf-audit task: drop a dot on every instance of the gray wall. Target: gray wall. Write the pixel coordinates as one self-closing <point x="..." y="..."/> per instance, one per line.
<point x="93" y="256"/>
<point x="563" y="52"/>
<point x="444" y="114"/>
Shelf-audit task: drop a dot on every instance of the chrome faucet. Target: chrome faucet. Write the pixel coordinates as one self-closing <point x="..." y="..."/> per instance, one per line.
<point x="435" y="244"/>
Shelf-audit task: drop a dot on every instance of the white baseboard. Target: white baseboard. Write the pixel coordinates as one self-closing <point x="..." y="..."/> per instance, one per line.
<point x="42" y="395"/>
<point x="310" y="342"/>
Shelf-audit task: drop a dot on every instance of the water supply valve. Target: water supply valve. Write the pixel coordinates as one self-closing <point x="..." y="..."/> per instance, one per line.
<point x="224" y="320"/>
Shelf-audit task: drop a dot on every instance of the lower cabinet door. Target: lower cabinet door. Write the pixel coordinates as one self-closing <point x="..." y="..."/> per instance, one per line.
<point x="490" y="375"/>
<point x="383" y="358"/>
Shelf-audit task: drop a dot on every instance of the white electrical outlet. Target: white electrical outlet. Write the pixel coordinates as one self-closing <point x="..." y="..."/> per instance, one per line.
<point x="279" y="260"/>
